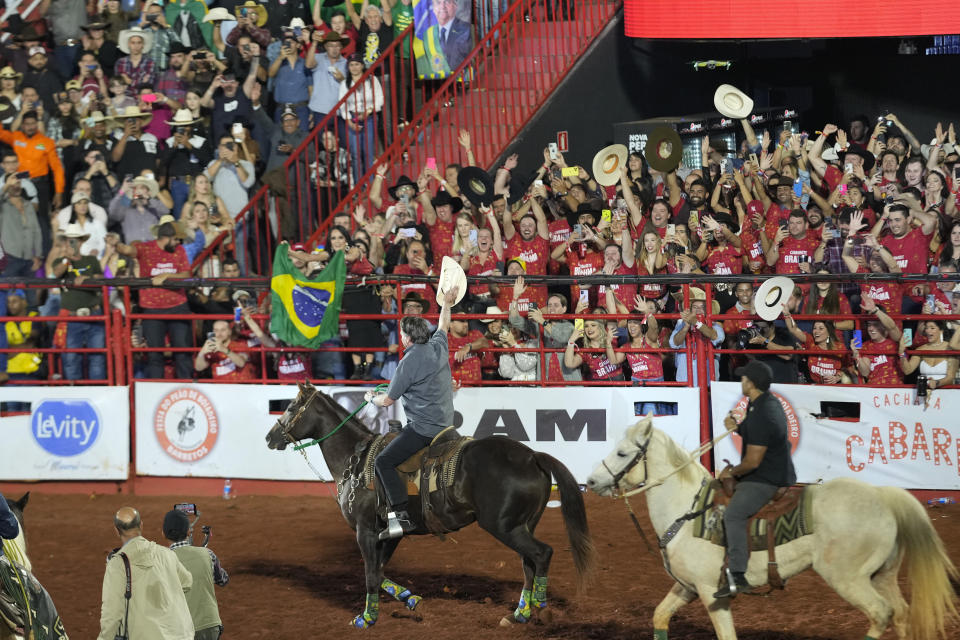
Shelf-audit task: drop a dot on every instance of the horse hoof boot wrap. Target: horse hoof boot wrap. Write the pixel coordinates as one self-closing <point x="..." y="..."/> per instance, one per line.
<point x="361" y="622"/>
<point x="412" y="602"/>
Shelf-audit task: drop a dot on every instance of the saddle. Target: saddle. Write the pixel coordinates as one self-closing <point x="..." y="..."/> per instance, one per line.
<point x="779" y="521"/>
<point x="429" y="472"/>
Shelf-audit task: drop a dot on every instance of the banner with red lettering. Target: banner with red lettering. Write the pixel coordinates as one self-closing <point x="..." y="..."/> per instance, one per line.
<point x="880" y="436"/>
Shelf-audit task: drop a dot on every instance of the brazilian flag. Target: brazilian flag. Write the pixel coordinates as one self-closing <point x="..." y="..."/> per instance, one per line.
<point x="306" y="311"/>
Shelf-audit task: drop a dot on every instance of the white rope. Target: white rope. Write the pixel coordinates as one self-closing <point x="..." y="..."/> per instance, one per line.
<point x="694" y="455"/>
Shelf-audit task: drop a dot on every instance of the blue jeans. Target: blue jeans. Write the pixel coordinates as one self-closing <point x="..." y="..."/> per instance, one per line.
<point x="180" y="191"/>
<point x="20" y="268"/>
<point x="362" y="146"/>
<point x="66" y="59"/>
<point x="21" y="407"/>
<point x="85" y="335"/>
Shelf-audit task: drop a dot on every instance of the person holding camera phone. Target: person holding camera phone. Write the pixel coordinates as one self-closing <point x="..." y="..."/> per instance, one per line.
<point x="187" y="154"/>
<point x="327" y="73"/>
<point x="228" y="100"/>
<point x="224" y="355"/>
<point x="205" y="568"/>
<point x="290" y="85"/>
<point x="793" y="248"/>
<point x="157" y="607"/>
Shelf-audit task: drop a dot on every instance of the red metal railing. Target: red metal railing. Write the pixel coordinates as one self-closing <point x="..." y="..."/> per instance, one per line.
<point x="298" y="205"/>
<point x="493" y="94"/>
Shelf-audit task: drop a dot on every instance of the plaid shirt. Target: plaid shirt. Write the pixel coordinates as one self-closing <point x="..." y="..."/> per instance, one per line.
<point x="162" y="39"/>
<point x="220" y="576"/>
<point x="145" y="73"/>
<point x="833" y="258"/>
<point x="171" y="86"/>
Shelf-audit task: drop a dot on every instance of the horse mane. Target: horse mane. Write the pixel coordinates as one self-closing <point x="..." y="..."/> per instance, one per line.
<point x="341" y="412"/>
<point x="676" y="456"/>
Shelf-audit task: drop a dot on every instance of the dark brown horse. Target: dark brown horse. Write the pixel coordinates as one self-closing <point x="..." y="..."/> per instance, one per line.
<point x="500" y="483"/>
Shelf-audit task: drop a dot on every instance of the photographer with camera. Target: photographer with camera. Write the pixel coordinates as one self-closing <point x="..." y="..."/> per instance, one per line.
<point x="204" y="567"/>
<point x="200" y="67"/>
<point x="187" y="154"/>
<point x="766" y="335"/>
<point x="290" y="85"/>
<point x="157" y="607"/>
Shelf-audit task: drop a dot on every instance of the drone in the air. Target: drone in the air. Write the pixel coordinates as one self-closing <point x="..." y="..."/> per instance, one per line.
<point x="711" y="64"/>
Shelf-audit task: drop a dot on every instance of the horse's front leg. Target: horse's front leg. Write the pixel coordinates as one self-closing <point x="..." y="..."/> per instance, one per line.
<point x="395" y="589"/>
<point x="676" y="598"/>
<point x="719" y="612"/>
<point x="368" y="541"/>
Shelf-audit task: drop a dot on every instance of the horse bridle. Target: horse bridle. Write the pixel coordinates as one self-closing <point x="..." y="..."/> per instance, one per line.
<point x="641" y="454"/>
<point x="296" y="417"/>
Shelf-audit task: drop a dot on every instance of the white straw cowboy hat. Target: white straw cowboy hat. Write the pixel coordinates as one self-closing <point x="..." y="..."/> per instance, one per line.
<point x="126" y="34"/>
<point x="492" y="311"/>
<point x="133" y="112"/>
<point x="217" y="14"/>
<point x="182" y="118"/>
<point x="11" y="73"/>
<point x="74" y="230"/>
<point x="451" y="275"/>
<point x="731" y="102"/>
<point x="607" y="164"/>
<point x="769" y="298"/>
<point x="251" y="5"/>
<point x="152" y="186"/>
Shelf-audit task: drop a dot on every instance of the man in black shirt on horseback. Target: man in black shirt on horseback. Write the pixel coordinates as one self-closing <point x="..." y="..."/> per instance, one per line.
<point x="765" y="467"/>
<point x="424" y="381"/>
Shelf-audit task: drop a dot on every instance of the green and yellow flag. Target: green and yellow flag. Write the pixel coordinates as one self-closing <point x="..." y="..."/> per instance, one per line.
<point x="306" y="311"/>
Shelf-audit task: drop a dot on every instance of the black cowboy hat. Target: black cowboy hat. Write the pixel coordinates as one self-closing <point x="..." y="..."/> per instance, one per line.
<point x="593" y="207"/>
<point x="96" y="25"/>
<point x="28" y="34"/>
<point x="444" y="198"/>
<point x="727" y="219"/>
<point x="177" y="47"/>
<point x="664" y="149"/>
<point x="868" y="159"/>
<point x="476" y="185"/>
<point x="403" y="181"/>
<point x="415" y="297"/>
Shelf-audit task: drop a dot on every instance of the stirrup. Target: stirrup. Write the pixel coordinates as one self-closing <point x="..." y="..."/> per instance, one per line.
<point x="394" y="528"/>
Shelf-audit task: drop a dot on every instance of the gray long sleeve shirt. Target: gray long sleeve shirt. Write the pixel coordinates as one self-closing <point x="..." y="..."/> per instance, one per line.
<point x="20" y="231"/>
<point x="554" y="338"/>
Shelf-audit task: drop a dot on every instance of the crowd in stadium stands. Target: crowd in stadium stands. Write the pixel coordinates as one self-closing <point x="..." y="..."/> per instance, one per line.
<point x="132" y="141"/>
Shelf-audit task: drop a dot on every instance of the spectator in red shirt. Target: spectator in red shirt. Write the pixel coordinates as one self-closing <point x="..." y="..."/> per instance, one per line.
<point x="439" y="214"/>
<point x="780" y="207"/>
<point x="825" y="299"/>
<point x="482" y="258"/>
<point x="582" y="249"/>
<point x="910" y="246"/>
<point x="465" y="347"/>
<point x="529" y="242"/>
<point x="417" y="265"/>
<point x="596" y="363"/>
<point x="888" y="295"/>
<point x="224" y="355"/>
<point x="877" y="360"/>
<point x="823" y="369"/>
<point x="161" y="260"/>
<point x="792" y="248"/>
<point x="619" y="260"/>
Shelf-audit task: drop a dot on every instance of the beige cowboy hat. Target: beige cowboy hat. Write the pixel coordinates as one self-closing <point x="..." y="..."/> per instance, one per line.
<point x="243" y="9"/>
<point x="492" y="311"/>
<point x="696" y="293"/>
<point x="133" y="112"/>
<point x="79" y="196"/>
<point x="217" y="14"/>
<point x="179" y="231"/>
<point x="126" y="34"/>
<point x="152" y="187"/>
<point x="607" y="164"/>
<point x="10" y="73"/>
<point x="97" y="116"/>
<point x="74" y="230"/>
<point x="451" y="275"/>
<point x="182" y="118"/>
<point x="731" y="102"/>
<point x="769" y="298"/>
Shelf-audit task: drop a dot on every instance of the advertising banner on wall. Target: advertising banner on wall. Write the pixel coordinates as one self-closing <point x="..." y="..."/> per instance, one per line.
<point x="214" y="430"/>
<point x="880" y="436"/>
<point x="65" y="433"/>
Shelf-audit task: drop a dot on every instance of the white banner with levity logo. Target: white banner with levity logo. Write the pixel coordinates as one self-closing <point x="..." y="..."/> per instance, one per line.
<point x="877" y="435"/>
<point x="218" y="430"/>
<point x="64" y="433"/>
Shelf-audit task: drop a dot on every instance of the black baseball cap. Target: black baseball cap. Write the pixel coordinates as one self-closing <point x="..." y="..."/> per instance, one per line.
<point x="759" y="373"/>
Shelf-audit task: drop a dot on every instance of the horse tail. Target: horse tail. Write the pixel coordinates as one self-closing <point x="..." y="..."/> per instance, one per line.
<point x="930" y="570"/>
<point x="574" y="516"/>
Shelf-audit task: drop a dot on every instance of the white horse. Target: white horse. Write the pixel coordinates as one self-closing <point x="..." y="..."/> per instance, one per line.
<point x="861" y="535"/>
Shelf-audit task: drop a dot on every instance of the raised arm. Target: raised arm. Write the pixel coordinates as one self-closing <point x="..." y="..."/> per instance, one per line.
<point x="448" y="299"/>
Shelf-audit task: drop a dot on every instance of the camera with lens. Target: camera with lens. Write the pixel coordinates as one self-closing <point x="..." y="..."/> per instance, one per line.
<point x="744" y="336"/>
<point x="922" y="389"/>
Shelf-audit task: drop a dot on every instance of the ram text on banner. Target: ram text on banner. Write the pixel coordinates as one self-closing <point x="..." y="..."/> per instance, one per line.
<point x="578" y="426"/>
<point x="70" y="433"/>
<point x="895" y="442"/>
<point x="218" y="430"/>
<point x="306" y="311"/>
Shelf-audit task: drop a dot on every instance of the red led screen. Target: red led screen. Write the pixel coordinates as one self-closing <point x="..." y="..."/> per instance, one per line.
<point x="743" y="19"/>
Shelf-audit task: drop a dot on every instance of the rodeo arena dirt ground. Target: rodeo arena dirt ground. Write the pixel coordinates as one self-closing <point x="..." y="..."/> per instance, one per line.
<point x="296" y="572"/>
